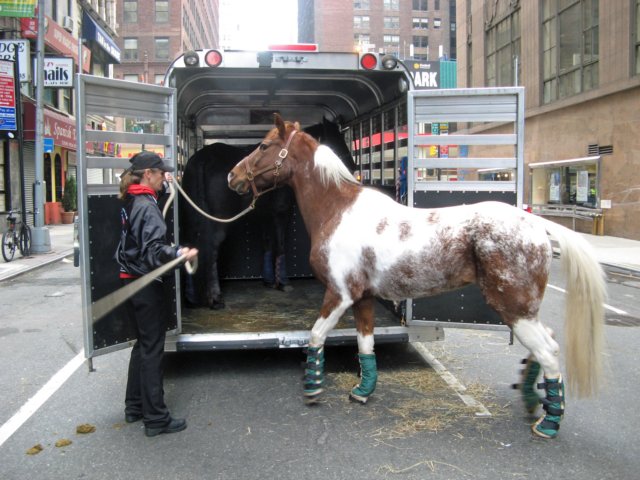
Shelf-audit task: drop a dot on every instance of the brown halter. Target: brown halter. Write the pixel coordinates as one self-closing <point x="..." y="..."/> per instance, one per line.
<point x="275" y="167"/>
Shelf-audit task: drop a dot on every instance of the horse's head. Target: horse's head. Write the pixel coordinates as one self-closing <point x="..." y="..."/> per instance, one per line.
<point x="267" y="166"/>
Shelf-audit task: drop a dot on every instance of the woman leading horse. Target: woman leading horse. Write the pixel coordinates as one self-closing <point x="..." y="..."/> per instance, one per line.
<point x="365" y="245"/>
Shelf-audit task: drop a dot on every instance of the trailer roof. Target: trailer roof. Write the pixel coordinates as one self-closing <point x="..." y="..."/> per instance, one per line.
<point x="236" y="101"/>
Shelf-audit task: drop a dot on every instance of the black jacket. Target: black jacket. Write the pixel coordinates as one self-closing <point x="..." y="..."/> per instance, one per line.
<point x="143" y="244"/>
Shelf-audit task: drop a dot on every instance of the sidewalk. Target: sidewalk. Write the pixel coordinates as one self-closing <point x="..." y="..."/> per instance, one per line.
<point x="619" y="253"/>
<point x="61" y="237"/>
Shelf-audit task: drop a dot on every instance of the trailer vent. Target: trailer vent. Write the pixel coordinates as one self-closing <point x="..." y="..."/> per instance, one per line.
<point x="592" y="149"/>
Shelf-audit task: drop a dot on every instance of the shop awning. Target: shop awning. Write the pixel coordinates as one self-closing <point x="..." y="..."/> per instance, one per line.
<point x="565" y="163"/>
<point x="91" y="31"/>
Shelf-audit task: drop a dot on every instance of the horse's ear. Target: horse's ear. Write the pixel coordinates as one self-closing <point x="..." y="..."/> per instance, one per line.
<point x="296" y="125"/>
<point x="279" y="125"/>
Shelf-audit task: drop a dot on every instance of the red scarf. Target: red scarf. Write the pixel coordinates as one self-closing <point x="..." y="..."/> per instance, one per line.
<point x="137" y="189"/>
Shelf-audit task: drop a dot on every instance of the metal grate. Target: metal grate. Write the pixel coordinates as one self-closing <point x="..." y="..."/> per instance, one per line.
<point x="595" y="149"/>
<point x="605" y="150"/>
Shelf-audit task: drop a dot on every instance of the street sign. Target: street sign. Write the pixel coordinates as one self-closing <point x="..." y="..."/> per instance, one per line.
<point x="48" y="144"/>
<point x="7" y="96"/>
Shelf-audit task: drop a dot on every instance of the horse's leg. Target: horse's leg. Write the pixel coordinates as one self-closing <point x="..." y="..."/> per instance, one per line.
<point x="333" y="306"/>
<point x="538" y="339"/>
<point x="363" y="313"/>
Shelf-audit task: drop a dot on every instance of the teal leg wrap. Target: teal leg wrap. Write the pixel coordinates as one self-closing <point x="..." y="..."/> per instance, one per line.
<point x="548" y="425"/>
<point x="368" y="379"/>
<point x="314" y="373"/>
<point x="529" y="377"/>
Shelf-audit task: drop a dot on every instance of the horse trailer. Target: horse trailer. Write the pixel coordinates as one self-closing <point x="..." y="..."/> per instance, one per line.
<point x="425" y="148"/>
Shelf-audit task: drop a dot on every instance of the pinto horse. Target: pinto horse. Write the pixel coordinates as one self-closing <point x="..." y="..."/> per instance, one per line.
<point x="365" y="245"/>
<point x="205" y="181"/>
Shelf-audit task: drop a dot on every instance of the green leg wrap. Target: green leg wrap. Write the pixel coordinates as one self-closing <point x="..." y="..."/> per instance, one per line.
<point x="314" y="373"/>
<point x="529" y="377"/>
<point x="548" y="425"/>
<point x="368" y="379"/>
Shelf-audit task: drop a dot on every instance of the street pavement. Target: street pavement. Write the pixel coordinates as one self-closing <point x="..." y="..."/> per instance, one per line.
<point x="613" y="253"/>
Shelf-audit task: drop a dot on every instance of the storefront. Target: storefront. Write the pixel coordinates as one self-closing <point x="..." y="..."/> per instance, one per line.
<point x="59" y="157"/>
<point x="569" y="189"/>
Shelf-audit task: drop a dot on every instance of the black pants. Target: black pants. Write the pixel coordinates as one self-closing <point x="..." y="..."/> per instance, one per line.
<point x="145" y="393"/>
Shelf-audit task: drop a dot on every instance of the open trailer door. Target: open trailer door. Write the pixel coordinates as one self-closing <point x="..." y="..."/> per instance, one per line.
<point x="115" y="120"/>
<point x="465" y="146"/>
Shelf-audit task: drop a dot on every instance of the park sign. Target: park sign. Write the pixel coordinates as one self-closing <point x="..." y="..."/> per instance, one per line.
<point x="17" y="8"/>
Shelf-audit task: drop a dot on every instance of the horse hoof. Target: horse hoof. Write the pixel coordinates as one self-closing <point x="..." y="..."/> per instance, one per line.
<point x="312" y="398"/>
<point x="358" y="398"/>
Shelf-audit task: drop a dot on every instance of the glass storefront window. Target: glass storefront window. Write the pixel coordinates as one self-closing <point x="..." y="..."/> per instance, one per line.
<point x="566" y="183"/>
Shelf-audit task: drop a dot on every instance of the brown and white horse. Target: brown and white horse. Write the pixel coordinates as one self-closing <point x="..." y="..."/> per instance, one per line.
<point x="365" y="245"/>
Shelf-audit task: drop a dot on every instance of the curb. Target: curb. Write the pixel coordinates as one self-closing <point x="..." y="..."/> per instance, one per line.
<point x="57" y="258"/>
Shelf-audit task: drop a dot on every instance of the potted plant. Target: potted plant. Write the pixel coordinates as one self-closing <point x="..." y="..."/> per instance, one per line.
<point x="69" y="200"/>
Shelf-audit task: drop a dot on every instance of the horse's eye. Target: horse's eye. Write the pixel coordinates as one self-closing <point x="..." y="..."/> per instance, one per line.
<point x="263" y="146"/>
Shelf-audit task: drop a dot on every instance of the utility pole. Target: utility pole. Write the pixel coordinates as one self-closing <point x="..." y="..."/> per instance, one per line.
<point x="40" y="240"/>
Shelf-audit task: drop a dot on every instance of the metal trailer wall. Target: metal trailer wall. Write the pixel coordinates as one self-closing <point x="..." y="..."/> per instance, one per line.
<point x="483" y="109"/>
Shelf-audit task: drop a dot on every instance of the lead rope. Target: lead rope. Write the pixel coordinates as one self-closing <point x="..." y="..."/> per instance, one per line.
<point x="192" y="265"/>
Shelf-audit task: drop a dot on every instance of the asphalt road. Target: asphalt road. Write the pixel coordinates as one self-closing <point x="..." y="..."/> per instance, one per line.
<point x="247" y="420"/>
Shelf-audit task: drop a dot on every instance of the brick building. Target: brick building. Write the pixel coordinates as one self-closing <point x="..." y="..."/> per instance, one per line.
<point x="151" y="33"/>
<point x="420" y="29"/>
<point x="579" y="61"/>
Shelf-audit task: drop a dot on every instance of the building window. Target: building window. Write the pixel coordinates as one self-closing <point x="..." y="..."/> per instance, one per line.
<point x="162" y="48"/>
<point x="130" y="10"/>
<point x="392" y="22"/>
<point x="391" y="4"/>
<point x="420" y="5"/>
<point x="131" y="49"/>
<point x="437" y="23"/>
<point x="131" y="77"/>
<point x="67" y="102"/>
<point x="162" y="11"/>
<point x="159" y="79"/>
<point x="361" y="40"/>
<point x="436" y="4"/>
<point x="361" y="21"/>
<point x="503" y="46"/>
<point x="637" y="37"/>
<point x="423" y="23"/>
<point x="570" y="58"/>
<point x="420" y="42"/>
<point x="391" y="40"/>
<point x="361" y="4"/>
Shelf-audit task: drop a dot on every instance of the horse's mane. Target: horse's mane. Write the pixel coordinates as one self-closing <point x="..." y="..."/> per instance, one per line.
<point x="331" y="168"/>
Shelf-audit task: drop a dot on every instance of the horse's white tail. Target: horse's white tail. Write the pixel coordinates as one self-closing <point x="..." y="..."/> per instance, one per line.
<point x="586" y="293"/>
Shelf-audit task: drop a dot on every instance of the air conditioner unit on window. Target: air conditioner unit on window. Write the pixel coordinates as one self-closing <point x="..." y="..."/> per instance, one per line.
<point x="67" y="24"/>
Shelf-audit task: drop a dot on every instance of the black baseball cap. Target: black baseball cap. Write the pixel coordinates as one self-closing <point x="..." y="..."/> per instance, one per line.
<point x="146" y="159"/>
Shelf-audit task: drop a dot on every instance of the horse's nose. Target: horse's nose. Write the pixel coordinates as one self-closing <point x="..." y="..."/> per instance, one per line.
<point x="230" y="177"/>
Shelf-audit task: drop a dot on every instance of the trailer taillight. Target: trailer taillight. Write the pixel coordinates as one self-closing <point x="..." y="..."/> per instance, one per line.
<point x="213" y="58"/>
<point x="369" y="61"/>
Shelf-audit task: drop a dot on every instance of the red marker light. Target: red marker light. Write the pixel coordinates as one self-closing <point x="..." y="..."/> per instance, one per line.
<point x="213" y="58"/>
<point x="369" y="61"/>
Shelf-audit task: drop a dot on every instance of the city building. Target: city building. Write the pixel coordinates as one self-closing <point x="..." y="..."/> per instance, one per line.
<point x="94" y="22"/>
<point x="579" y="61"/>
<point x="152" y="33"/>
<point x="410" y="29"/>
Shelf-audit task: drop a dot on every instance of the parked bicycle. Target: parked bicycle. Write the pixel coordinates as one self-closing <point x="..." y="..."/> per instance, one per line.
<point x="17" y="237"/>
